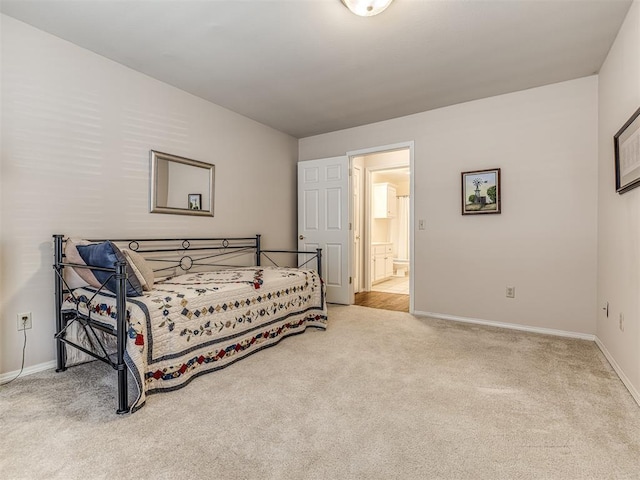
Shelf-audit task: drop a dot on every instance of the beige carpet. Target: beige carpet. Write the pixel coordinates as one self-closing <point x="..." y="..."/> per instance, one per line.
<point x="380" y="394"/>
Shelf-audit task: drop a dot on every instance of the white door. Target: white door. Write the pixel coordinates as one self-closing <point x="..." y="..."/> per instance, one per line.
<point x="356" y="206"/>
<point x="323" y="221"/>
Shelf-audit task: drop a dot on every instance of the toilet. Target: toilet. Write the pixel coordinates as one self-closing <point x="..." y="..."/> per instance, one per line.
<point x="400" y="267"/>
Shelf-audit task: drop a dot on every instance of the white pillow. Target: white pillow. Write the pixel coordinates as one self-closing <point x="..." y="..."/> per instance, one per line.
<point x="140" y="268"/>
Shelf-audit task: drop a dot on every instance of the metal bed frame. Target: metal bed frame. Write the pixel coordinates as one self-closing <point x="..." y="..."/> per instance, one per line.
<point x="169" y="255"/>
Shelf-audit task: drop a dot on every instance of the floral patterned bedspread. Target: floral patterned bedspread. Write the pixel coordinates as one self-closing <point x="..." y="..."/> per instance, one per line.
<point x="197" y="323"/>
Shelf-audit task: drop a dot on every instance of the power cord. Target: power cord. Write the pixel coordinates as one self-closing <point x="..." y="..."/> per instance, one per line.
<point x="24" y="347"/>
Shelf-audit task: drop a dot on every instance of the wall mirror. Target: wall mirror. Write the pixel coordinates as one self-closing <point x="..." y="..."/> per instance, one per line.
<point x="180" y="185"/>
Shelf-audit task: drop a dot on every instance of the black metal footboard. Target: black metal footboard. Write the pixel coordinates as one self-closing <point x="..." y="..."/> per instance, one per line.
<point x="64" y="318"/>
<point x="304" y="258"/>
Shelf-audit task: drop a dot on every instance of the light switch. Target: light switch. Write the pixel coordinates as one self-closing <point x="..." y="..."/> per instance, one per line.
<point x="420" y="224"/>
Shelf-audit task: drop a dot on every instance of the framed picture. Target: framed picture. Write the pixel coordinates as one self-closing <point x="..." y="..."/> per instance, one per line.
<point x="195" y="201"/>
<point x="627" y="150"/>
<point x="481" y="192"/>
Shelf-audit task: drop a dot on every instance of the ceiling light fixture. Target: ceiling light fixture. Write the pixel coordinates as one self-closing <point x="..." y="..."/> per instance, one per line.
<point x="367" y="8"/>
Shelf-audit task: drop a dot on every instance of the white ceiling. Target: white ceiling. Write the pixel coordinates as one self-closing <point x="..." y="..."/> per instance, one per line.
<point x="307" y="67"/>
<point x="396" y="176"/>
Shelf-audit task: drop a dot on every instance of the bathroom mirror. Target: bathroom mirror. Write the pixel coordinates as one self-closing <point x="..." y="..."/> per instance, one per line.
<point x="180" y="185"/>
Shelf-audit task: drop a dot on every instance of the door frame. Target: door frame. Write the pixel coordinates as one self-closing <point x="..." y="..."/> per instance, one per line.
<point x="367" y="253"/>
<point x="357" y="255"/>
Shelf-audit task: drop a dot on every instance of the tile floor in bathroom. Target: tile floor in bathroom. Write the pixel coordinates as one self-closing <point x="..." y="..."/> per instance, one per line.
<point x="393" y="285"/>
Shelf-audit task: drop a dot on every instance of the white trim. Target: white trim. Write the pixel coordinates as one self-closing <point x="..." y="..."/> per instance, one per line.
<point x="382" y="148"/>
<point x="28" y="371"/>
<point x="627" y="383"/>
<point x="512" y="326"/>
<point x="412" y="228"/>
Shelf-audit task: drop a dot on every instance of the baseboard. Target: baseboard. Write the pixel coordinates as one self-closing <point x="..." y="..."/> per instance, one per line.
<point x="5" y="377"/>
<point x="627" y="383"/>
<point x="512" y="326"/>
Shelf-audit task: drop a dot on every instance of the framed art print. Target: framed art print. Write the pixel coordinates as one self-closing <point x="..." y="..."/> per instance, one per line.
<point x="627" y="152"/>
<point x="481" y="192"/>
<point x="195" y="201"/>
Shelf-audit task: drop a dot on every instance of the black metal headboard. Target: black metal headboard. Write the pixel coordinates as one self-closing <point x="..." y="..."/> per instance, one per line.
<point x="169" y="256"/>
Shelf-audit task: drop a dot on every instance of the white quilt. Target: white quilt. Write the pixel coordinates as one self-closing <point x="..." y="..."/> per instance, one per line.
<point x="197" y="323"/>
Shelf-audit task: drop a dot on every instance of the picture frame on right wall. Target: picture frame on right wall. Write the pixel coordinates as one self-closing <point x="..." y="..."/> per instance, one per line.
<point x="627" y="154"/>
<point x="481" y="192"/>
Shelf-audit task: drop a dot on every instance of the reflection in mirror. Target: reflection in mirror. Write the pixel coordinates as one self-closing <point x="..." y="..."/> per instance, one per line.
<point x="180" y="185"/>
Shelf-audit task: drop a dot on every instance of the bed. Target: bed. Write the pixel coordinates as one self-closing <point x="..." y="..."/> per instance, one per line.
<point x="165" y="311"/>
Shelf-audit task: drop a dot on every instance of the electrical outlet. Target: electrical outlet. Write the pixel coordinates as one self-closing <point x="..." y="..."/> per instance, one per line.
<point x="24" y="321"/>
<point x="511" y="292"/>
<point x="621" y="322"/>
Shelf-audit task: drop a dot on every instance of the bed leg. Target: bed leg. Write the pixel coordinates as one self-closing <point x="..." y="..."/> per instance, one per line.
<point x="121" y="339"/>
<point x="61" y="350"/>
<point x="61" y="353"/>
<point x="123" y="397"/>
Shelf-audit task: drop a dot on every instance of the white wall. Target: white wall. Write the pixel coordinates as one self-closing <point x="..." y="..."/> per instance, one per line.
<point x="2" y="309"/>
<point x="619" y="215"/>
<point x="543" y="243"/>
<point x="77" y="131"/>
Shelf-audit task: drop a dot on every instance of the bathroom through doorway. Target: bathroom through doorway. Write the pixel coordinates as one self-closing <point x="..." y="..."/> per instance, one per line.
<point x="381" y="202"/>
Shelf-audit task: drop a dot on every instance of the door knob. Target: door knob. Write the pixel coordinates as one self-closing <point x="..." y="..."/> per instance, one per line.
<point x="301" y="237"/>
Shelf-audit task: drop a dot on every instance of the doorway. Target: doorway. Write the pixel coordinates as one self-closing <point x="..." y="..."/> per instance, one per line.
<point x="381" y="212"/>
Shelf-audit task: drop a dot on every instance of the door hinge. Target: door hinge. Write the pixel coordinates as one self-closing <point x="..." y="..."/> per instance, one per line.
<point x="350" y="227"/>
<point x="350" y="280"/>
